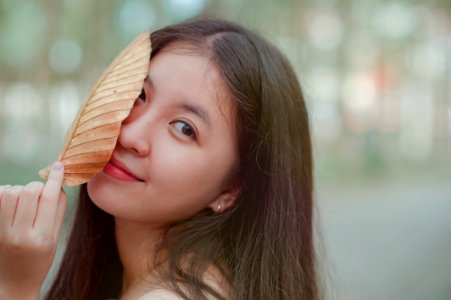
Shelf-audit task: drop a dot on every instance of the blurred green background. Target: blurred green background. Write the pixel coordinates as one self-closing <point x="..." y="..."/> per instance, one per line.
<point x="377" y="79"/>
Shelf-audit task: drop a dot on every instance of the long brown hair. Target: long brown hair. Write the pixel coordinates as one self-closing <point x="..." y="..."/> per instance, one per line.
<point x="264" y="244"/>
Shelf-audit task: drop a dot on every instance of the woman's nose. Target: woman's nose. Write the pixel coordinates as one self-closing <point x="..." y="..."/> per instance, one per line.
<point x="133" y="138"/>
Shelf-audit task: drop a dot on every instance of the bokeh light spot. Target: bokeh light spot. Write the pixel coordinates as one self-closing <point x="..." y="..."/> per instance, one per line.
<point x="65" y="56"/>
<point x="135" y="16"/>
<point x="182" y="9"/>
<point x="325" y="30"/>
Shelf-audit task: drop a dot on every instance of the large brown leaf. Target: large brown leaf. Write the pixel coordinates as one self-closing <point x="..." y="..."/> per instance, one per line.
<point x="93" y="135"/>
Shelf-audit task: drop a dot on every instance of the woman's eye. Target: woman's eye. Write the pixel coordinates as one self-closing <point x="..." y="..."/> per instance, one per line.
<point x="185" y="128"/>
<point x="142" y="96"/>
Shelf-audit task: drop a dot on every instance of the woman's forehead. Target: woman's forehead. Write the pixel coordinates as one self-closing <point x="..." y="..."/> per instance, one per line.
<point x="179" y="62"/>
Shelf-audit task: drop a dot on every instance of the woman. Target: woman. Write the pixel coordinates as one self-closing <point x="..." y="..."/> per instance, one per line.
<point x="209" y="191"/>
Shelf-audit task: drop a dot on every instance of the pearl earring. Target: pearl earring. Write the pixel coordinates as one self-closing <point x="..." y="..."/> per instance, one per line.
<point x="219" y="208"/>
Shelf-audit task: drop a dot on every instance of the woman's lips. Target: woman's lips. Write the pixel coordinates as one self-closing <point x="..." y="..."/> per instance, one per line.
<point x="118" y="173"/>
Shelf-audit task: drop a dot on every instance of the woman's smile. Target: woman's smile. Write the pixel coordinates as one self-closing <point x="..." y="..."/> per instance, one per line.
<point x="115" y="171"/>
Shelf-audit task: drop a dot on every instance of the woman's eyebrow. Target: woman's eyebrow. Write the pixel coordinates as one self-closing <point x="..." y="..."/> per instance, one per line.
<point x="197" y="110"/>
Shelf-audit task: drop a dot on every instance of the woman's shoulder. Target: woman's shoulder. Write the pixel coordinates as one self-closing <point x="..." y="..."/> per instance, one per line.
<point x="160" y="294"/>
<point x="211" y="277"/>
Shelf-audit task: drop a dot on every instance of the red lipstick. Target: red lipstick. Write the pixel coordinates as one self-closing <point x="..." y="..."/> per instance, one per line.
<point x="116" y="170"/>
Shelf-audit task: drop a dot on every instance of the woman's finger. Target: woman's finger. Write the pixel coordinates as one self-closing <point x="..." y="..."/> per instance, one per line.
<point x="59" y="215"/>
<point x="2" y="191"/>
<point x="9" y="204"/>
<point x="48" y="203"/>
<point x="27" y="205"/>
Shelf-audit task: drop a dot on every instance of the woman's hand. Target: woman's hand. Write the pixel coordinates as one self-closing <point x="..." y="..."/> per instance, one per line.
<point x="30" y="223"/>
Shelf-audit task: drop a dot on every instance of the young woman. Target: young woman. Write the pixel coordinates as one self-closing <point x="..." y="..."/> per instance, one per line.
<point x="208" y="194"/>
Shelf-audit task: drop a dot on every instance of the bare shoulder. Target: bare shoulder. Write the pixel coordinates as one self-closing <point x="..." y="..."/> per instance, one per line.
<point x="211" y="277"/>
<point x="160" y="294"/>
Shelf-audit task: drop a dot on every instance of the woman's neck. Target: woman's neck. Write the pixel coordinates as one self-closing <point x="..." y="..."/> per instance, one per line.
<point x="136" y="244"/>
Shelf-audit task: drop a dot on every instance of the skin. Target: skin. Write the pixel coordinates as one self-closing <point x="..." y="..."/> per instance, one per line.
<point x="182" y="173"/>
<point x="176" y="169"/>
<point x="30" y="223"/>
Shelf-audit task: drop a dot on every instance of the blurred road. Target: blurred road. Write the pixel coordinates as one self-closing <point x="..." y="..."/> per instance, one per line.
<point x="387" y="240"/>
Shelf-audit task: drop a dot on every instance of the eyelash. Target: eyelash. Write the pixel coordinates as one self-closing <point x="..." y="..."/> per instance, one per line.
<point x="191" y="128"/>
<point x="142" y="96"/>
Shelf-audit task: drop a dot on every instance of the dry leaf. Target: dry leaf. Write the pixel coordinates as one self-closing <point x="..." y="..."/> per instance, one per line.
<point x="93" y="135"/>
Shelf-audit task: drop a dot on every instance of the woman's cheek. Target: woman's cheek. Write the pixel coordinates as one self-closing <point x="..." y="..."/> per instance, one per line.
<point x="103" y="193"/>
<point x="98" y="191"/>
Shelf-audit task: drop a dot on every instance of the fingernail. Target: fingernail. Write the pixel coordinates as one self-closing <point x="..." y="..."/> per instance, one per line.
<point x="57" y="166"/>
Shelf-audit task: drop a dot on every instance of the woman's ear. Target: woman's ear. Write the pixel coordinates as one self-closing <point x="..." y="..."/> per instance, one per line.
<point x="226" y="199"/>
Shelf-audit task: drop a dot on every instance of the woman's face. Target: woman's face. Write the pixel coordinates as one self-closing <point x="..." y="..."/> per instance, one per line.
<point x="176" y="152"/>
